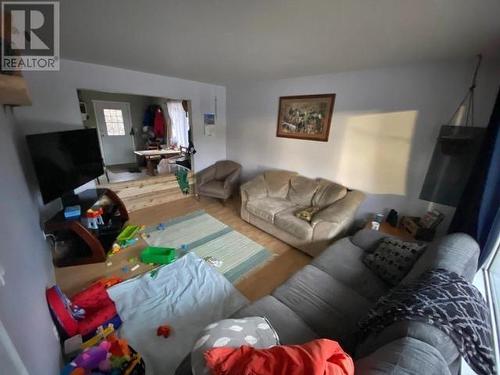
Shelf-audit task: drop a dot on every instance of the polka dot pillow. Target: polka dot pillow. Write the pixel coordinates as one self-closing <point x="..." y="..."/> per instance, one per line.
<point x="393" y="259"/>
<point x="253" y="331"/>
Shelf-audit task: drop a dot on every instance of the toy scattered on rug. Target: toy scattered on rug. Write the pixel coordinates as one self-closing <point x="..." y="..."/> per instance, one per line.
<point x="135" y="267"/>
<point x="154" y="273"/>
<point x="93" y="218"/>
<point x="164" y="330"/>
<point x="213" y="261"/>
<point x="111" y="356"/>
<point x="161" y="226"/>
<point x="108" y="282"/>
<point x="158" y="255"/>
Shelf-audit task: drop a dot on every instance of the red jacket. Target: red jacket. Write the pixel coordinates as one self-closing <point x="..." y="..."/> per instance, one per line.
<point x="318" y="357"/>
<point x="159" y="124"/>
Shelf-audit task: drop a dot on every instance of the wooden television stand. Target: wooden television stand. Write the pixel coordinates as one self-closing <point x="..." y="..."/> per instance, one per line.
<point x="76" y="244"/>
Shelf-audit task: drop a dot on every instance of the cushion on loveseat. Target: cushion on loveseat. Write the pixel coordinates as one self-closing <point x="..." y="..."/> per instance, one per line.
<point x="288" y="221"/>
<point x="302" y="190"/>
<point x="328" y="192"/>
<point x="277" y="183"/>
<point x="267" y="208"/>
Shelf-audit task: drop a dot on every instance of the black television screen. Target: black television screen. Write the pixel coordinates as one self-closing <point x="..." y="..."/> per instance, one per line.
<point x="65" y="160"/>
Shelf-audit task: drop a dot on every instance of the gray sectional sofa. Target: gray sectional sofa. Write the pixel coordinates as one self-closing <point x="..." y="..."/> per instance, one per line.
<point x="329" y="296"/>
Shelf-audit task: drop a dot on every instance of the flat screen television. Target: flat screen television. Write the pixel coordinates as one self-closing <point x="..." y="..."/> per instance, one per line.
<point x="65" y="160"/>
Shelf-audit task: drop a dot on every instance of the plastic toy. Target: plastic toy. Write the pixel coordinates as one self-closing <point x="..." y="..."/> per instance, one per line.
<point x="128" y="233"/>
<point x="115" y="249"/>
<point x="112" y="356"/>
<point x="90" y="359"/>
<point x="161" y="226"/>
<point x="101" y="334"/>
<point x="135" y="267"/>
<point x="158" y="255"/>
<point x="118" y="347"/>
<point x="164" y="331"/>
<point x="94" y="218"/>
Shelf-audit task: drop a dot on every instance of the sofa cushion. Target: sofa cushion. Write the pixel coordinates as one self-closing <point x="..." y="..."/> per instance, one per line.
<point x="213" y="187"/>
<point x="393" y="259"/>
<point x="326" y="305"/>
<point x="343" y="261"/>
<point x="457" y="252"/>
<point x="403" y="356"/>
<point x="291" y="329"/>
<point x="417" y="330"/>
<point x="267" y="208"/>
<point x="327" y="193"/>
<point x="278" y="183"/>
<point x="302" y="190"/>
<point x="224" y="168"/>
<point x="368" y="239"/>
<point x="287" y="220"/>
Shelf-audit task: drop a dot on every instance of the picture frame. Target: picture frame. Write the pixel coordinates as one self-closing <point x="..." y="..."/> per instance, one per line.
<point x="305" y="117"/>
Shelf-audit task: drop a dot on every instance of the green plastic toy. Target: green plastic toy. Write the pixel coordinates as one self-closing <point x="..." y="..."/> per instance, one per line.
<point x="158" y="255"/>
<point x="128" y="234"/>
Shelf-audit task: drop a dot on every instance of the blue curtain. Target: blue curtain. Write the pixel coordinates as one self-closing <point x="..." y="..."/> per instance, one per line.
<point x="480" y="202"/>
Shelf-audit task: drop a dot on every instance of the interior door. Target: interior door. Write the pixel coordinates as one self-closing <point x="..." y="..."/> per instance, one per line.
<point x="114" y="125"/>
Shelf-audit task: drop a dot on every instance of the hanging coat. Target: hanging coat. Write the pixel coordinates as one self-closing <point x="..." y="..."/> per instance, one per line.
<point x="159" y="124"/>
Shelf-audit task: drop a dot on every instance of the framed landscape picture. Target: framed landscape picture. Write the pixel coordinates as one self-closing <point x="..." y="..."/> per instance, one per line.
<point x="305" y="116"/>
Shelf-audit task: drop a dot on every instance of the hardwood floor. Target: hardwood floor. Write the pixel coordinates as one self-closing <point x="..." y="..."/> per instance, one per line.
<point x="288" y="260"/>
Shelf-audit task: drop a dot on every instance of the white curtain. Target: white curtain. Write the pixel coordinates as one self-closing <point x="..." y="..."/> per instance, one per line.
<point x="180" y="123"/>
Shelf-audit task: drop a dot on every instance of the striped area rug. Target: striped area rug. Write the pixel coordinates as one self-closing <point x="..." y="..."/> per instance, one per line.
<point x="208" y="237"/>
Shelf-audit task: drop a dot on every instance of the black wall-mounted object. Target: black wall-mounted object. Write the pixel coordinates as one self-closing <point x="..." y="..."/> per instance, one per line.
<point x="454" y="154"/>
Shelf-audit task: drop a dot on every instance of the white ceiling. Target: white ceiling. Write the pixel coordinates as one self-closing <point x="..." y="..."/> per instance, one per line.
<point x="227" y="40"/>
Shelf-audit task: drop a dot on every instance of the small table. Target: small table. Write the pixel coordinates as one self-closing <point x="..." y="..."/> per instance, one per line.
<point x="151" y="155"/>
<point x="387" y="228"/>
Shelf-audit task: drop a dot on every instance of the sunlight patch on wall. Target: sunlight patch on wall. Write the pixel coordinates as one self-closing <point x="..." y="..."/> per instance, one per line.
<point x="376" y="151"/>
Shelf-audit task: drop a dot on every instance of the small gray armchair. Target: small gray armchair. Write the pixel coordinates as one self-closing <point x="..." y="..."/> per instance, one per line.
<point x="219" y="180"/>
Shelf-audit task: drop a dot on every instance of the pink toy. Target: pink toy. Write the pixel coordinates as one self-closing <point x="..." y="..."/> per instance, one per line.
<point x="92" y="357"/>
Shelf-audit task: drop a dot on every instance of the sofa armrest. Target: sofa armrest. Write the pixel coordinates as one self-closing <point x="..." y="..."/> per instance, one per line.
<point x="337" y="217"/>
<point x="205" y="175"/>
<point x="232" y="179"/>
<point x="255" y="188"/>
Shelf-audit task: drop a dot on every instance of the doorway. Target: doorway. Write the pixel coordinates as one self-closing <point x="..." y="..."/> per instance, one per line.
<point x="114" y="124"/>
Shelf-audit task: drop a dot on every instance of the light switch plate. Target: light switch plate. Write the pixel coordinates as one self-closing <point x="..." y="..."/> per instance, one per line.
<point x="2" y="276"/>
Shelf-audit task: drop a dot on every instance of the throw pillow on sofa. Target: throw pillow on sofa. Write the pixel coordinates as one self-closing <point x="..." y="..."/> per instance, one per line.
<point x="254" y="331"/>
<point x="393" y="259"/>
<point x="307" y="213"/>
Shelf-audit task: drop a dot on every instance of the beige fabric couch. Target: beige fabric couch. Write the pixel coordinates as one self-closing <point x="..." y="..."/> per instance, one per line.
<point x="271" y="200"/>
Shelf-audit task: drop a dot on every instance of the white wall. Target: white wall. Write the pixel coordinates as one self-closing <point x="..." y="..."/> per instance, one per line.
<point x="384" y="128"/>
<point x="27" y="262"/>
<point x="55" y="102"/>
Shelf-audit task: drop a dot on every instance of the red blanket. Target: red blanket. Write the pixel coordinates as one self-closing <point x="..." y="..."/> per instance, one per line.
<point x="318" y="357"/>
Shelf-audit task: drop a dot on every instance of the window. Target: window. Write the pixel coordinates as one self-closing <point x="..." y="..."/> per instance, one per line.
<point x="114" y="121"/>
